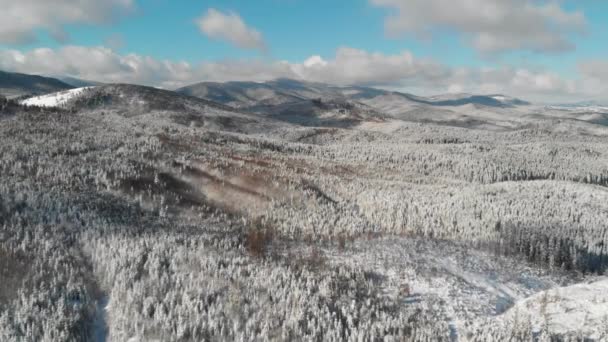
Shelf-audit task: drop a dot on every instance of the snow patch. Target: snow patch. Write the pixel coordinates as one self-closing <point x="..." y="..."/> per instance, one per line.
<point x="55" y="99"/>
<point x="580" y="308"/>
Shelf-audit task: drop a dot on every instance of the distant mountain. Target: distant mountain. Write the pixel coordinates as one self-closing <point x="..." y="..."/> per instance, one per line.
<point x="78" y="83"/>
<point x="293" y="101"/>
<point x="240" y="94"/>
<point x="590" y="103"/>
<point x="15" y="84"/>
<point x="583" y="107"/>
<point x="324" y="112"/>
<point x="318" y="104"/>
<point x="152" y="104"/>
<point x="280" y="91"/>
<point x="484" y="100"/>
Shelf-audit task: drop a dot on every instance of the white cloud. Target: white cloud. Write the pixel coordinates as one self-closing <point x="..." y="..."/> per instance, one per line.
<point x="595" y="69"/>
<point x="349" y="66"/>
<point x="354" y="66"/>
<point x="230" y="27"/>
<point x="105" y="65"/>
<point x="315" y="61"/>
<point x="595" y="74"/>
<point x="19" y="20"/>
<point x="537" y="85"/>
<point x="491" y="26"/>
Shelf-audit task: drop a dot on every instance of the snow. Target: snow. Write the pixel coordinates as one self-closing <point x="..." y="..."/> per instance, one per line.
<point x="589" y="109"/>
<point x="55" y="99"/>
<point x="580" y="308"/>
<point x="410" y="200"/>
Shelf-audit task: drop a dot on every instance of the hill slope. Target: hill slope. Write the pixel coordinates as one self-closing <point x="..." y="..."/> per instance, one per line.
<point x="294" y="101"/>
<point x="129" y="100"/>
<point x="143" y="214"/>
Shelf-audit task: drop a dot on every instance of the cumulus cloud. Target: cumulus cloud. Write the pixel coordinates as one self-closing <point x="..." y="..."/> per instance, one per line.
<point x="19" y="20"/>
<point x="537" y="85"/>
<point x="348" y="67"/>
<point x="491" y="26"/>
<point x="354" y="66"/>
<point x="230" y="27"/>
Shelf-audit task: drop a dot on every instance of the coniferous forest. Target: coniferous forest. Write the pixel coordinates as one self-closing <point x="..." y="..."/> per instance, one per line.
<point x="136" y="214"/>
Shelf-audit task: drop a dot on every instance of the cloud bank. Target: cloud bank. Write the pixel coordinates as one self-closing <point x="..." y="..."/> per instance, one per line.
<point x="490" y="26"/>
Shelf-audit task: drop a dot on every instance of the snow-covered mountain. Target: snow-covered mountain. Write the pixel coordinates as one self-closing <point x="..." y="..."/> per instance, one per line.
<point x="246" y="94"/>
<point x="587" y="107"/>
<point x="134" y="100"/>
<point x="239" y="94"/>
<point x="294" y="100"/>
<point x="485" y="100"/>
<point x="58" y="99"/>
<point x="289" y="100"/>
<point x="321" y="112"/>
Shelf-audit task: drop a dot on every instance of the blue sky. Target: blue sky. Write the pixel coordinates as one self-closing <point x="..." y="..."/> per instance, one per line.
<point x="453" y="49"/>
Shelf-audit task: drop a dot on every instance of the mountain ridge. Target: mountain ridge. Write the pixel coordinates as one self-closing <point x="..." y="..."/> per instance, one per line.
<point x="17" y="84"/>
<point x="234" y="90"/>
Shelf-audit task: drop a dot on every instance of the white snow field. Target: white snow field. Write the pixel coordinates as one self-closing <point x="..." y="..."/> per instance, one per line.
<point x="579" y="311"/>
<point x="58" y="99"/>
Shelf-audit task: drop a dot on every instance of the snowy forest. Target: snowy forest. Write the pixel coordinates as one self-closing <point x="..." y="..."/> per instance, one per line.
<point x="136" y="214"/>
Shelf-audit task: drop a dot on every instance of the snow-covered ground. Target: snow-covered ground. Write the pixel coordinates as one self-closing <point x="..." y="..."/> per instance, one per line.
<point x="586" y="109"/>
<point x="205" y="223"/>
<point x="462" y="286"/>
<point x="55" y="99"/>
<point x="578" y="310"/>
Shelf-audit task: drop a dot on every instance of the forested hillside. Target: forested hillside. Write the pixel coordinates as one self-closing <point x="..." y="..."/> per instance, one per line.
<point x="135" y="214"/>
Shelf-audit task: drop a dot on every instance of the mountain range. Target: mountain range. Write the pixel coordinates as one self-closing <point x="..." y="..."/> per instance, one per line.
<point x="298" y="102"/>
<point x="280" y="91"/>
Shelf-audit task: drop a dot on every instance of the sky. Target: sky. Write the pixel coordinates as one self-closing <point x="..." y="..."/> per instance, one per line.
<point x="544" y="51"/>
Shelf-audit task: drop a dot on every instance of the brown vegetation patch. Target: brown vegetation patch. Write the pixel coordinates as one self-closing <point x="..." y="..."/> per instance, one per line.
<point x="317" y="132"/>
<point x="210" y="179"/>
<point x="257" y="161"/>
<point x="175" y="190"/>
<point x="174" y="144"/>
<point x="259" y="238"/>
<point x="339" y="170"/>
<point x="311" y="257"/>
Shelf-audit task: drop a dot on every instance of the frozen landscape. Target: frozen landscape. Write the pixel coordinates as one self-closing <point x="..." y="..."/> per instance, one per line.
<point x="290" y="210"/>
<point x="303" y="170"/>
